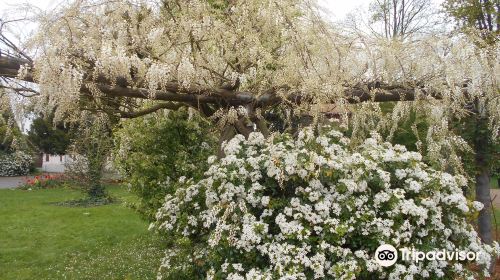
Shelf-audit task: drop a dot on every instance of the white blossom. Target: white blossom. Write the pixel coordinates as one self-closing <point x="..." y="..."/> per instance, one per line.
<point x="297" y="224"/>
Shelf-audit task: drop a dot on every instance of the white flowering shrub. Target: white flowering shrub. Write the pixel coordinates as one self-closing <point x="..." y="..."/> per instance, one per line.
<point x="15" y="164"/>
<point x="313" y="207"/>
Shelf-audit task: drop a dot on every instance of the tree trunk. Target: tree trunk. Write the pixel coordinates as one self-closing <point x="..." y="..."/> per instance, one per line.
<point x="227" y="133"/>
<point x="483" y="196"/>
<point x="97" y="191"/>
<point x="95" y="169"/>
<point x="483" y="184"/>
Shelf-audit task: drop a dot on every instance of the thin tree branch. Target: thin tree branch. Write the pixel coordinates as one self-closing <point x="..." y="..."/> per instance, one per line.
<point x="149" y="110"/>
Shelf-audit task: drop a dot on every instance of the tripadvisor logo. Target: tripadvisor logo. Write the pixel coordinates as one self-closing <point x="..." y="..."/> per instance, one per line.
<point x="386" y="255"/>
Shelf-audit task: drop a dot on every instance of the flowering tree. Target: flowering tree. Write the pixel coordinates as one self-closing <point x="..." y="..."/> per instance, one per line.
<point x="11" y="138"/>
<point x="214" y="55"/>
<point x="217" y="55"/>
<point x="15" y="164"/>
<point x="15" y="158"/>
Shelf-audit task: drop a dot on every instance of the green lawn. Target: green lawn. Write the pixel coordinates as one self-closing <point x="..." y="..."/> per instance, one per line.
<point x="39" y="240"/>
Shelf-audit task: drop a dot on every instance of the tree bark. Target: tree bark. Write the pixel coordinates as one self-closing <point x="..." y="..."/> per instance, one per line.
<point x="227" y="133"/>
<point x="483" y="196"/>
<point x="483" y="184"/>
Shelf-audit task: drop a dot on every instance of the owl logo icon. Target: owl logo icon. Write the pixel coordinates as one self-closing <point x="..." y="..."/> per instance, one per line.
<point x="386" y="255"/>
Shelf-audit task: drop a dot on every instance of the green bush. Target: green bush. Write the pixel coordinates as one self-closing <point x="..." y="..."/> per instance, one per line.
<point x="154" y="150"/>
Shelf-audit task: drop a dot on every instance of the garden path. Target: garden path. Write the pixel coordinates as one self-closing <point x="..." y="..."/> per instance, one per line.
<point x="12" y="182"/>
<point x="496" y="200"/>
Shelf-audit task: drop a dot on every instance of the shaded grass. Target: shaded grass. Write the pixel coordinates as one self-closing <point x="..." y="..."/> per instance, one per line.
<point x="40" y="240"/>
<point x="496" y="226"/>
<point x="494" y="182"/>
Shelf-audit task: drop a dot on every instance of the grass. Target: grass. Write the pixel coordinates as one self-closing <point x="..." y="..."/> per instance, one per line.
<point x="494" y="182"/>
<point x="39" y="240"/>
<point x="496" y="227"/>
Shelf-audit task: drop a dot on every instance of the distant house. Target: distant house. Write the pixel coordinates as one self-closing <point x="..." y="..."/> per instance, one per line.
<point x="55" y="163"/>
<point x="61" y="163"/>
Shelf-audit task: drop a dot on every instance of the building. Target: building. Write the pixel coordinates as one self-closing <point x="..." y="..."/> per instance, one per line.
<point x="55" y="163"/>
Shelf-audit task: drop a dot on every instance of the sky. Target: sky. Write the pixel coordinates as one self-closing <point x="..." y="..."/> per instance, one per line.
<point x="42" y="4"/>
<point x="338" y="8"/>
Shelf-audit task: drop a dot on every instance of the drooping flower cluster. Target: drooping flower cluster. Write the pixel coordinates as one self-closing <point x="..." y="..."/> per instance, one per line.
<point x="283" y="47"/>
<point x="314" y="207"/>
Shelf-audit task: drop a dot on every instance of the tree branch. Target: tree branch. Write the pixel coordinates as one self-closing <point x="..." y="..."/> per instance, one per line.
<point x="154" y="108"/>
<point x="9" y="67"/>
<point x="262" y="126"/>
<point x="242" y="128"/>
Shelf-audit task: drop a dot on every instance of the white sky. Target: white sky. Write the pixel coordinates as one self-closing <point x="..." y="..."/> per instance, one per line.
<point x="339" y="8"/>
<point x="42" y="4"/>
